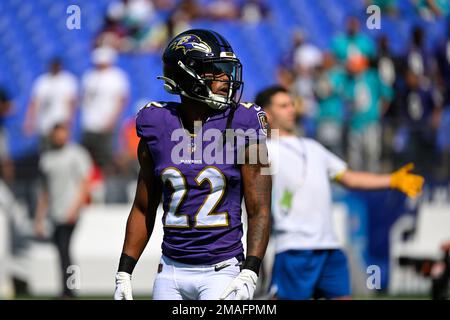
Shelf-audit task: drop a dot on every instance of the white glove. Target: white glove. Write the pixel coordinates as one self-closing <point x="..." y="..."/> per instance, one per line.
<point x="123" y="286"/>
<point x="243" y="285"/>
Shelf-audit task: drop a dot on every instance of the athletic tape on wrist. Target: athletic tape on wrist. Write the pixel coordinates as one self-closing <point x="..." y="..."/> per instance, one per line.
<point x="127" y="263"/>
<point x="252" y="263"/>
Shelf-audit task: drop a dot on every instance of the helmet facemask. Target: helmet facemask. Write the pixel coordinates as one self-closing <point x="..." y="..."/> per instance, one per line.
<point x="207" y="76"/>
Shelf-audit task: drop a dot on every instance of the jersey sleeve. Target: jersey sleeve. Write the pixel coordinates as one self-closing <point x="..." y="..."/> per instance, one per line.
<point x="253" y="120"/>
<point x="148" y="119"/>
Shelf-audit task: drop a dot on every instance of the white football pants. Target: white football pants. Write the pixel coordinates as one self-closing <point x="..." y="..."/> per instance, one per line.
<point x="180" y="281"/>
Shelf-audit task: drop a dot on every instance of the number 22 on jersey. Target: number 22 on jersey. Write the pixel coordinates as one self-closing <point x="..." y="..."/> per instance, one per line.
<point x="205" y="217"/>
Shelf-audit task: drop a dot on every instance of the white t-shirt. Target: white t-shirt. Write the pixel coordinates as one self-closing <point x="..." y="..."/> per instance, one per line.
<point x="64" y="169"/>
<point x="301" y="196"/>
<point x="307" y="56"/>
<point x="102" y="93"/>
<point x="53" y="94"/>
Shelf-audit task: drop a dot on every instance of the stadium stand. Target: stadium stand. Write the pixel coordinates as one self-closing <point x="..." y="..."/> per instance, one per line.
<point x="30" y="35"/>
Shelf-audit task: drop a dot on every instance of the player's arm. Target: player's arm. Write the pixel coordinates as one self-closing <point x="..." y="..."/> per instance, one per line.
<point x="402" y="179"/>
<point x="140" y="223"/>
<point x="257" y="189"/>
<point x="143" y="211"/>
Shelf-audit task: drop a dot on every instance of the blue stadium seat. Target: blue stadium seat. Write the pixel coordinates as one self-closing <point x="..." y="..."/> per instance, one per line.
<point x="31" y="33"/>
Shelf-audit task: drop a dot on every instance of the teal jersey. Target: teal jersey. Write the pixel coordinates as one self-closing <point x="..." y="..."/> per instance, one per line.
<point x="442" y="5"/>
<point x="385" y="4"/>
<point x="329" y="90"/>
<point x="365" y="91"/>
<point x="344" y="45"/>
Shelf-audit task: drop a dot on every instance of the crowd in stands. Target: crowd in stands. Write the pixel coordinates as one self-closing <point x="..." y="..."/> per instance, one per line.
<point x="132" y="25"/>
<point x="373" y="107"/>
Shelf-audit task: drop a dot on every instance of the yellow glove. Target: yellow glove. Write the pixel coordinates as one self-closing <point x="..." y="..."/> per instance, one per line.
<point x="406" y="182"/>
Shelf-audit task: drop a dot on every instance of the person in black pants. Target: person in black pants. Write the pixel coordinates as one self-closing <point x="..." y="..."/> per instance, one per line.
<point x="61" y="237"/>
<point x="65" y="171"/>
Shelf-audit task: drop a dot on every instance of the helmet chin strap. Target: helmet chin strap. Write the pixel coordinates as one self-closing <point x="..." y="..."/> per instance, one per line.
<point x="211" y="103"/>
<point x="217" y="101"/>
<point x="171" y="87"/>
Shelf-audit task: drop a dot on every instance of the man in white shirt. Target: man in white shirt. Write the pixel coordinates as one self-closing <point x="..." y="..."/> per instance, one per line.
<point x="53" y="100"/>
<point x="105" y="94"/>
<point x="308" y="262"/>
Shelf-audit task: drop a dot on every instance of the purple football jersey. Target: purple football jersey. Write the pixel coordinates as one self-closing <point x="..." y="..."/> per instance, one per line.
<point x="201" y="200"/>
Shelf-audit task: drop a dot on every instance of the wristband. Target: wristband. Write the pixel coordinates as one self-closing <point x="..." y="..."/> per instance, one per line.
<point x="127" y="264"/>
<point x="252" y="263"/>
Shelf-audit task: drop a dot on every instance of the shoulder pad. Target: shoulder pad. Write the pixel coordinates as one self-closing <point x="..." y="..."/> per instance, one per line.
<point x="150" y="119"/>
<point x="249" y="105"/>
<point x="250" y="115"/>
<point x="155" y="104"/>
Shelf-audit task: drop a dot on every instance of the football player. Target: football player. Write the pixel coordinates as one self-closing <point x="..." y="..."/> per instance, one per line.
<point x="202" y="253"/>
<point x="309" y="262"/>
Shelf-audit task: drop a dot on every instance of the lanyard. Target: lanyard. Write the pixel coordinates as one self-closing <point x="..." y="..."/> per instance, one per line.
<point x="300" y="154"/>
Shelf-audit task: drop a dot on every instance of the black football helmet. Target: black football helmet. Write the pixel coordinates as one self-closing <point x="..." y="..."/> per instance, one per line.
<point x="196" y="58"/>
